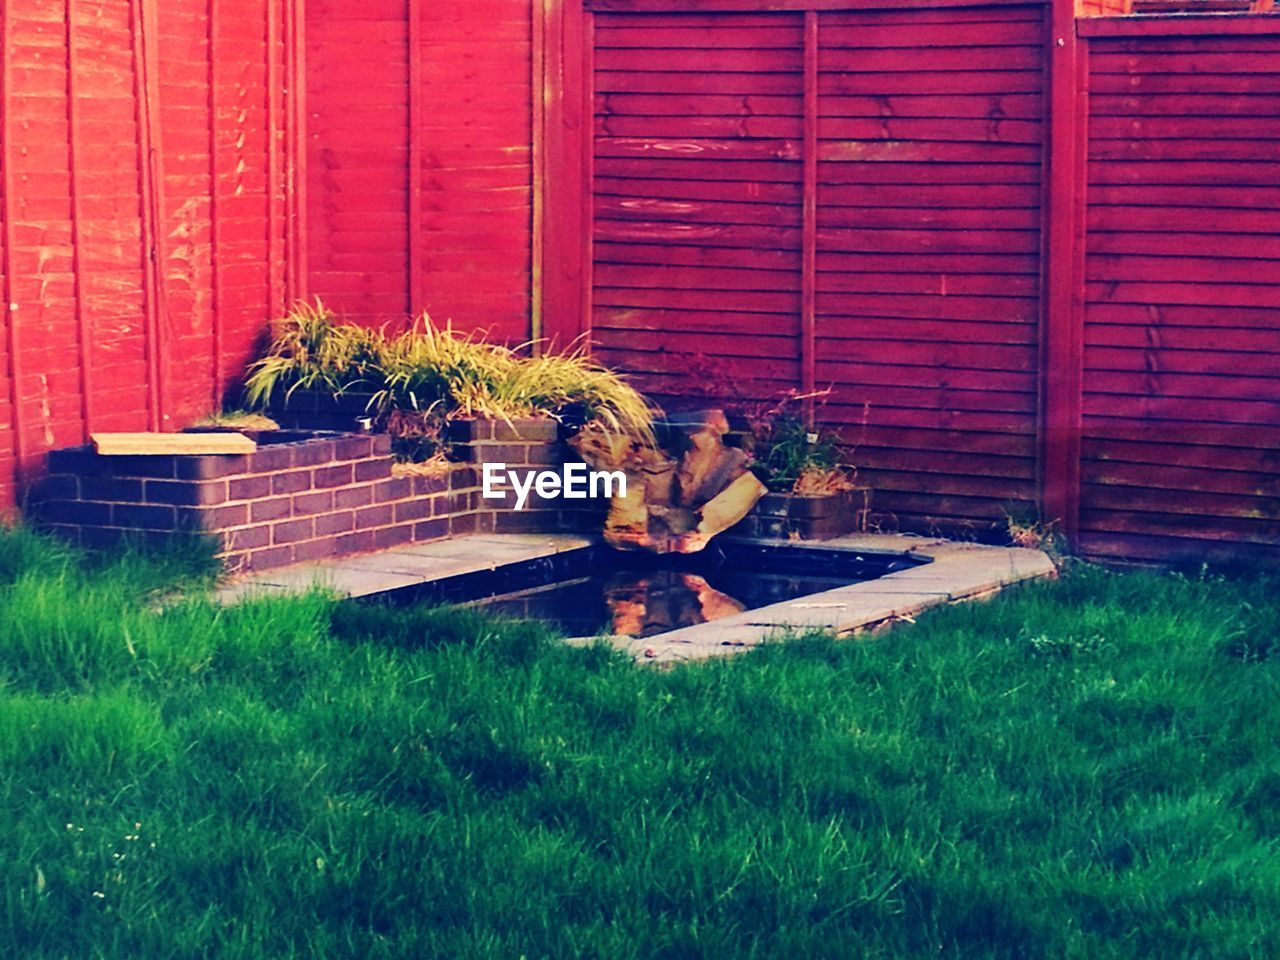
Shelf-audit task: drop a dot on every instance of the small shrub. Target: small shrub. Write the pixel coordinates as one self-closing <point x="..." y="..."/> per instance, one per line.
<point x="1031" y="533"/>
<point x="791" y="457"/>
<point x="312" y="351"/>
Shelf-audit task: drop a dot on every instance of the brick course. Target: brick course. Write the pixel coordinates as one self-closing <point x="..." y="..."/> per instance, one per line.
<point x="302" y="496"/>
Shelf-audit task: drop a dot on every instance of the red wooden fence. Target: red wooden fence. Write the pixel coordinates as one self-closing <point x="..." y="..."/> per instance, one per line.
<point x="896" y="202"/>
<point x="143" y="219"/>
<point x="836" y="199"/>
<point x="1181" y="312"/>
<point x="419" y="191"/>
<point x="1033" y="257"/>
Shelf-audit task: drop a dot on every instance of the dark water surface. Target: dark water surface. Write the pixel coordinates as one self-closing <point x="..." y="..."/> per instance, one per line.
<point x="599" y="590"/>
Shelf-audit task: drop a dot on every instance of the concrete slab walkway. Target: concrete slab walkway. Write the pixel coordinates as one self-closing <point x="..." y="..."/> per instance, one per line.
<point x="952" y="572"/>
<point x="366" y="574"/>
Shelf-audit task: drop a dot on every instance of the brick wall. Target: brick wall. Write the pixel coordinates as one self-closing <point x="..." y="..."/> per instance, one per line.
<point x="311" y="497"/>
<point x="792" y="517"/>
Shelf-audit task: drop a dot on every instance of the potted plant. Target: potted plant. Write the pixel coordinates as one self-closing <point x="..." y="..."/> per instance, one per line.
<point x="429" y="385"/>
<point x="813" y="494"/>
<point x="318" y="374"/>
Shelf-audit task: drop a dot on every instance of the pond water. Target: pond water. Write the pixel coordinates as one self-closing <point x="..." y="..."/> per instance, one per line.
<point x="597" y="590"/>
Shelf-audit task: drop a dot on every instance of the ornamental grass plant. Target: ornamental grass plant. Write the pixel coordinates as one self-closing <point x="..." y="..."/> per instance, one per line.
<point x="438" y="371"/>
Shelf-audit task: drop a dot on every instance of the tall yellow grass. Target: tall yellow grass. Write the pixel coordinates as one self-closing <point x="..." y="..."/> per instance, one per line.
<point x="429" y="368"/>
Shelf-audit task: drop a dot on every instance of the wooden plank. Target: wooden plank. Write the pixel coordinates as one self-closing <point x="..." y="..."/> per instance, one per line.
<point x="154" y="444"/>
<point x="566" y="264"/>
<point x="152" y="280"/>
<point x="755" y="6"/>
<point x="1062" y="324"/>
<point x="809" y="228"/>
<point x="13" y="342"/>
<point x="413" y="168"/>
<point x="214" y="15"/>
<point x="275" y="298"/>
<point x="1181" y="25"/>
<point x="84" y="333"/>
<point x="538" y="84"/>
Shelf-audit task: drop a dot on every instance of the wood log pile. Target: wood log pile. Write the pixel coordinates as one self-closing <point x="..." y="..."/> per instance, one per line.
<point x="680" y="491"/>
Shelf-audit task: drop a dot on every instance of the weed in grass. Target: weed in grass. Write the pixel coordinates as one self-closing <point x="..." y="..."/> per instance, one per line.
<point x="344" y="780"/>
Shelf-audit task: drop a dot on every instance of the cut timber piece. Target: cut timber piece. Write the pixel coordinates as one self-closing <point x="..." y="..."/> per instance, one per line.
<point x="731" y="504"/>
<point x="669" y="508"/>
<point x="707" y="466"/>
<point x="722" y="511"/>
<point x="159" y="444"/>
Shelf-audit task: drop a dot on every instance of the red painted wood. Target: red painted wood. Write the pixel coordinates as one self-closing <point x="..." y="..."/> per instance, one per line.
<point x="1181" y="26"/>
<point x="275" y="200"/>
<point x="1182" y="390"/>
<point x="741" y="6"/>
<point x="296" y="49"/>
<point x="413" y="190"/>
<point x="13" y="347"/>
<point x="566" y="314"/>
<point x="146" y="190"/>
<point x="100" y="99"/>
<point x="809" y="238"/>
<point x="84" y="333"/>
<point x="660" y="198"/>
<point x="215" y="313"/>
<point x="700" y="210"/>
<point x="1062" y="326"/>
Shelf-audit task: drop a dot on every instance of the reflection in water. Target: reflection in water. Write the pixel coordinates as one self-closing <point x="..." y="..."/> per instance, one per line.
<point x="648" y="601"/>
<point x="663" y="600"/>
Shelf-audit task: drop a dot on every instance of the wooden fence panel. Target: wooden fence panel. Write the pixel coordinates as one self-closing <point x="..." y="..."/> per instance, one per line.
<point x="1182" y="323"/>
<point x="697" y="201"/>
<point x="898" y="267"/>
<point x="928" y="271"/>
<point x="419" y="185"/>
<point x="141" y="255"/>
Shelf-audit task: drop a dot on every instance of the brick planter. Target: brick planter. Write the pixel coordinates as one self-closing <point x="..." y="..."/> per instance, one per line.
<point x="318" y="410"/>
<point x="789" y="516"/>
<point x="301" y="496"/>
<point x="523" y="444"/>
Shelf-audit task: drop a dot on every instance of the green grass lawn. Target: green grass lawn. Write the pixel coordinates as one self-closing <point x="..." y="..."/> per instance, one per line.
<point x="1083" y="769"/>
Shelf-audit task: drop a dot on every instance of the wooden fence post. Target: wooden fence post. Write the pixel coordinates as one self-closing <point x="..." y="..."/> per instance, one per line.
<point x="1062" y="325"/>
<point x="563" y="285"/>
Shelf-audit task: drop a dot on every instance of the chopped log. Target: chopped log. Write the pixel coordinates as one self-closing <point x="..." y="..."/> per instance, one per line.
<point x="183" y="444"/>
<point x="728" y="507"/>
<point x="669" y="506"/>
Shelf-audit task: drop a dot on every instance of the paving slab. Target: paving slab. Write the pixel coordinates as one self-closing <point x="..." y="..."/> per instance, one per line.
<point x="950" y="571"/>
<point x="363" y="575"/>
<point x="953" y="571"/>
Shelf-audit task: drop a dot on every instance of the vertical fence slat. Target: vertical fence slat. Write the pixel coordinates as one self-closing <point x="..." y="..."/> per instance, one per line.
<point x="537" y="169"/>
<point x="296" y="25"/>
<point x="809" y="229"/>
<point x="216" y="326"/>
<point x="413" y="192"/>
<point x="146" y="191"/>
<point x="568" y="144"/>
<point x="273" y="155"/>
<point x="84" y="335"/>
<point x="586" y="107"/>
<point x="12" y="341"/>
<point x="1062" y="327"/>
